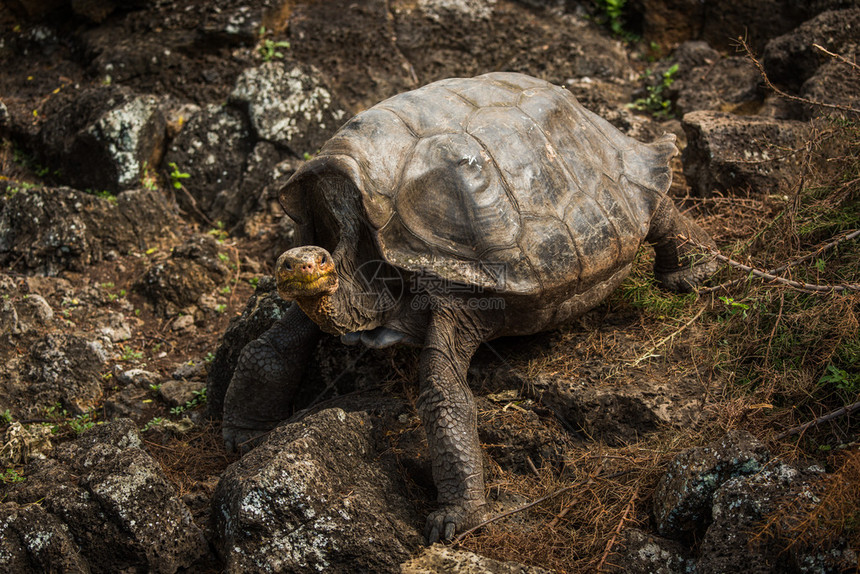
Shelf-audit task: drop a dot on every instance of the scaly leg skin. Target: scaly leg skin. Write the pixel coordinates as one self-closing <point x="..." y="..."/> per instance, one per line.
<point x="267" y="376"/>
<point x="450" y="418"/>
<point x="679" y="265"/>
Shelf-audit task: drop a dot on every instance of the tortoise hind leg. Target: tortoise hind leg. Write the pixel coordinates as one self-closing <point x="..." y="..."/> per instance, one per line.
<point x="679" y="265"/>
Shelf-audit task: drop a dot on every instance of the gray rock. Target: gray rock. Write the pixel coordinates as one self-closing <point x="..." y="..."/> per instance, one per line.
<point x="48" y="230"/>
<point x="64" y="369"/>
<point x="639" y="552"/>
<point x="439" y="559"/>
<point x="742" y="503"/>
<point x="112" y="498"/>
<point x="114" y="326"/>
<point x="33" y="540"/>
<point x="729" y="153"/>
<point x="313" y="497"/>
<point x="177" y="393"/>
<point x="104" y="138"/>
<point x="288" y="105"/>
<point x="138" y="377"/>
<point x="683" y="498"/>
<point x="191" y="270"/>
<point x="212" y="149"/>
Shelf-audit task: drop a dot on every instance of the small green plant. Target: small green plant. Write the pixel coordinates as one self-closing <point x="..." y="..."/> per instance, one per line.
<point x="6" y="417"/>
<point x="155" y="388"/>
<point x="152" y="422"/>
<point x="11" y="476"/>
<point x="129" y="354"/>
<point x="103" y="194"/>
<point x="177" y="176"/>
<point x="198" y="398"/>
<point x="220" y="308"/>
<point x="270" y="49"/>
<point x="224" y="257"/>
<point x="210" y="356"/>
<point x="81" y="423"/>
<point x="254" y="281"/>
<point x="735" y="307"/>
<point x="218" y="232"/>
<point x="841" y="379"/>
<point x="612" y="15"/>
<point x="225" y="290"/>
<point x="656" y="102"/>
<point x="307" y="156"/>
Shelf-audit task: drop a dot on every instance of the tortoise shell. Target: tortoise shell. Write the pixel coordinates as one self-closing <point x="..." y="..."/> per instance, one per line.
<point x="502" y="181"/>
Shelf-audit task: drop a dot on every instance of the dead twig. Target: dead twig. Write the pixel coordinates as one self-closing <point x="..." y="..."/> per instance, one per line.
<point x="842" y="59"/>
<point x="649" y="353"/>
<point x="742" y="43"/>
<point x="627" y="510"/>
<point x="800" y="286"/>
<point x="822" y="419"/>
<point x="792" y="263"/>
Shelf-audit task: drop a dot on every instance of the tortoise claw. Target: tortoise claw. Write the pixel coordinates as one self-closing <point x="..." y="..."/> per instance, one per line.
<point x="444" y="523"/>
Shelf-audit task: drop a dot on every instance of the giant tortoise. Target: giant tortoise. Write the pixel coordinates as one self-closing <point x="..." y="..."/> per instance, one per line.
<point x="444" y="217"/>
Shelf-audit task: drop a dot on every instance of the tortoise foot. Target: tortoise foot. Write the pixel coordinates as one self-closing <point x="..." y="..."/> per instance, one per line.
<point x="444" y="523"/>
<point x="240" y="439"/>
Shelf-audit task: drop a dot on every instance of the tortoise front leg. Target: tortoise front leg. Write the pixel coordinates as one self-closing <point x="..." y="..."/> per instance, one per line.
<point x="267" y="376"/>
<point x="679" y="265"/>
<point x="447" y="409"/>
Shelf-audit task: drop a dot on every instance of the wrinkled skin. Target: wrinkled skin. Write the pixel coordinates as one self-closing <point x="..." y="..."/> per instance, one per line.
<point x="326" y="277"/>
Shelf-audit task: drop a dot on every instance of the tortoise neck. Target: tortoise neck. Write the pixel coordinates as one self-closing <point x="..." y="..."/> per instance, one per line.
<point x="320" y="310"/>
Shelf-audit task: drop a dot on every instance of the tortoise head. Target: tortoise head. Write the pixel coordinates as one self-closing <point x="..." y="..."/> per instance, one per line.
<point x="306" y="273"/>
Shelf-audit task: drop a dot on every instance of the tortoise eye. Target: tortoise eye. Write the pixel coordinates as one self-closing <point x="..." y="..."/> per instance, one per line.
<point x="323" y="259"/>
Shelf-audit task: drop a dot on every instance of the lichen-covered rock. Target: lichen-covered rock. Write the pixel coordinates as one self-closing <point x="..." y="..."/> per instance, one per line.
<point x="111" y="498"/>
<point x="212" y="149"/>
<point x="104" y="139"/>
<point x="740" y="507"/>
<point x="263" y="308"/>
<point x="439" y="559"/>
<point x="638" y="552"/>
<point x="682" y="499"/>
<point x="48" y="230"/>
<point x="314" y="498"/>
<point x="65" y="369"/>
<point x="288" y="105"/>
<point x="32" y="540"/>
<point x="180" y="280"/>
<point x="729" y="153"/>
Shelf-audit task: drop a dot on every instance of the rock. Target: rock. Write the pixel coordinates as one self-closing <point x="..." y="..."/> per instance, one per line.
<point x="288" y="105"/>
<point x="639" y="552"/>
<point x="791" y="59"/>
<point x="263" y="308"/>
<point x="127" y="403"/>
<point x="439" y="559"/>
<point x="177" y="393"/>
<point x="708" y="81"/>
<point x="833" y="83"/>
<point x="104" y="138"/>
<point x="192" y="269"/>
<point x="20" y="443"/>
<point x="619" y="410"/>
<point x="138" y="377"/>
<point x="114" y="326"/>
<point x="64" y="369"/>
<point x="212" y="149"/>
<point x="682" y="499"/>
<point x="729" y="153"/>
<point x="741" y="505"/>
<point x="670" y="22"/>
<point x="297" y="502"/>
<point x="48" y="230"/>
<point x="34" y="540"/>
<point x="112" y="499"/>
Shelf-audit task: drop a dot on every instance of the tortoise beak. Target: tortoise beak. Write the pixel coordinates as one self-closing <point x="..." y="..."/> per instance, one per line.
<point x="305" y="272"/>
